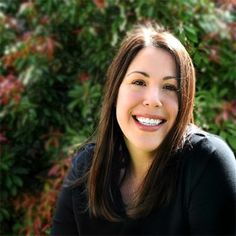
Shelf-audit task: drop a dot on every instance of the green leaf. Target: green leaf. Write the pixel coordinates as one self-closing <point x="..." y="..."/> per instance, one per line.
<point x="223" y="135"/>
<point x="232" y="142"/>
<point x="4" y="214"/>
<point x="13" y="191"/>
<point x="8" y="182"/>
<point x="4" y="166"/>
<point x="18" y="182"/>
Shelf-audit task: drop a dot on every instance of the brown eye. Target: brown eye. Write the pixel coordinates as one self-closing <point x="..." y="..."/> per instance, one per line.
<point x="139" y="82"/>
<point x="170" y="87"/>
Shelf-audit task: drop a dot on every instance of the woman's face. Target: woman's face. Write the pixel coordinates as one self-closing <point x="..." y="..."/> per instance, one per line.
<point x="147" y="102"/>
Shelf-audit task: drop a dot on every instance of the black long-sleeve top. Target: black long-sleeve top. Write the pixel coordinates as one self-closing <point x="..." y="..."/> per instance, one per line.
<point x="204" y="204"/>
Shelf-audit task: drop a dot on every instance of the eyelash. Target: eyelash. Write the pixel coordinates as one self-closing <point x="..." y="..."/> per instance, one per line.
<point x="139" y="82"/>
<point x="167" y="86"/>
<point x="171" y="87"/>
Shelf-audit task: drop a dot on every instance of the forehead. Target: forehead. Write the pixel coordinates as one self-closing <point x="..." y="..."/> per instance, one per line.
<point x="154" y="61"/>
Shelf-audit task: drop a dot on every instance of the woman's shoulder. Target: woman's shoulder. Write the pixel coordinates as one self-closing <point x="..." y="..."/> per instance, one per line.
<point x="205" y="143"/>
<point x="83" y="156"/>
<point x="208" y="183"/>
<point x="208" y="152"/>
<point x="80" y="163"/>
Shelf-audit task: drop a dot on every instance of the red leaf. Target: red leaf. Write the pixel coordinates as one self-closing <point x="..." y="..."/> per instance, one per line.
<point x="54" y="170"/>
<point x="3" y="138"/>
<point x="228" y="111"/>
<point x="214" y="54"/>
<point x="99" y="3"/>
<point x="77" y="31"/>
<point x="44" y="20"/>
<point x="84" y="77"/>
<point x="10" y="88"/>
<point x="233" y="29"/>
<point x="37" y="225"/>
<point x="50" y="44"/>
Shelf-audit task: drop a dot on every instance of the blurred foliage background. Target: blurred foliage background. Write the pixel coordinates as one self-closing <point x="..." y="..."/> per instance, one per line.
<point x="53" y="60"/>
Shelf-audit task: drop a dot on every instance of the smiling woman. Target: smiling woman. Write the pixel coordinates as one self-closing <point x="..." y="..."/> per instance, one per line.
<point x="147" y="102"/>
<point x="149" y="171"/>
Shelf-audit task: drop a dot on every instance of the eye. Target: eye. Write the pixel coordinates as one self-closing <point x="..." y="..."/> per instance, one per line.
<point x="139" y="82"/>
<point x="170" y="87"/>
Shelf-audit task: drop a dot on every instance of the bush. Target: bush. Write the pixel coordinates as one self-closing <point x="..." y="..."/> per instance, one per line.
<point x="54" y="56"/>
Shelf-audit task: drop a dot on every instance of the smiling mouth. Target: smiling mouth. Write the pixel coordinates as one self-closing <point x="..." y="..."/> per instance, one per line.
<point x="149" y="121"/>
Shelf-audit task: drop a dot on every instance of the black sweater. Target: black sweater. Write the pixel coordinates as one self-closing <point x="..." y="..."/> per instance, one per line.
<point x="205" y="201"/>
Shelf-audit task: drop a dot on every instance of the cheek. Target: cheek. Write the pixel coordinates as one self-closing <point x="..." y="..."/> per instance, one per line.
<point x="126" y="101"/>
<point x="172" y="106"/>
<point x="120" y="106"/>
<point x="121" y="113"/>
<point x="175" y="109"/>
<point x="127" y="98"/>
<point x="119" y="102"/>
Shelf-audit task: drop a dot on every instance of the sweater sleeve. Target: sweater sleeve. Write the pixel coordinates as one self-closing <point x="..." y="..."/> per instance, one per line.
<point x="64" y="221"/>
<point x="212" y="204"/>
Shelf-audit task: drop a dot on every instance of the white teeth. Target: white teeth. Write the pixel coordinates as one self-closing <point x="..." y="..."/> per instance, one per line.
<point x="148" y="122"/>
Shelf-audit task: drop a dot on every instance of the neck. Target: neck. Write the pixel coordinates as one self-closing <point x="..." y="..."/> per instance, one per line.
<point x="135" y="175"/>
<point x="139" y="167"/>
<point x="140" y="162"/>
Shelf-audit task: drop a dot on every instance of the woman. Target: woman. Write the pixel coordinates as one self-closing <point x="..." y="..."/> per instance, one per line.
<point x="150" y="171"/>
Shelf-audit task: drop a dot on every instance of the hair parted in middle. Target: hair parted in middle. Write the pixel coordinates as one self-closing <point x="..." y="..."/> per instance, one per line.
<point x="110" y="150"/>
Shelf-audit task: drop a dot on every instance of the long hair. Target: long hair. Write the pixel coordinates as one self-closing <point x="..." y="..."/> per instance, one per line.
<point x="110" y="152"/>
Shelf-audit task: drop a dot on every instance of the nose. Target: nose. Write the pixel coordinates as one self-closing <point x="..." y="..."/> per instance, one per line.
<point x="152" y="98"/>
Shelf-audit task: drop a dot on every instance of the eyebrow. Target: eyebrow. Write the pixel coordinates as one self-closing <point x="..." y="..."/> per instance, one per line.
<point x="148" y="76"/>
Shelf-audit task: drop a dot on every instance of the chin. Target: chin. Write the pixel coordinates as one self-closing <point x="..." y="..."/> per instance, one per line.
<point x="147" y="148"/>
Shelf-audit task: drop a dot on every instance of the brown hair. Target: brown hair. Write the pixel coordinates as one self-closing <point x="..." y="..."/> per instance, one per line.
<point x="110" y="150"/>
